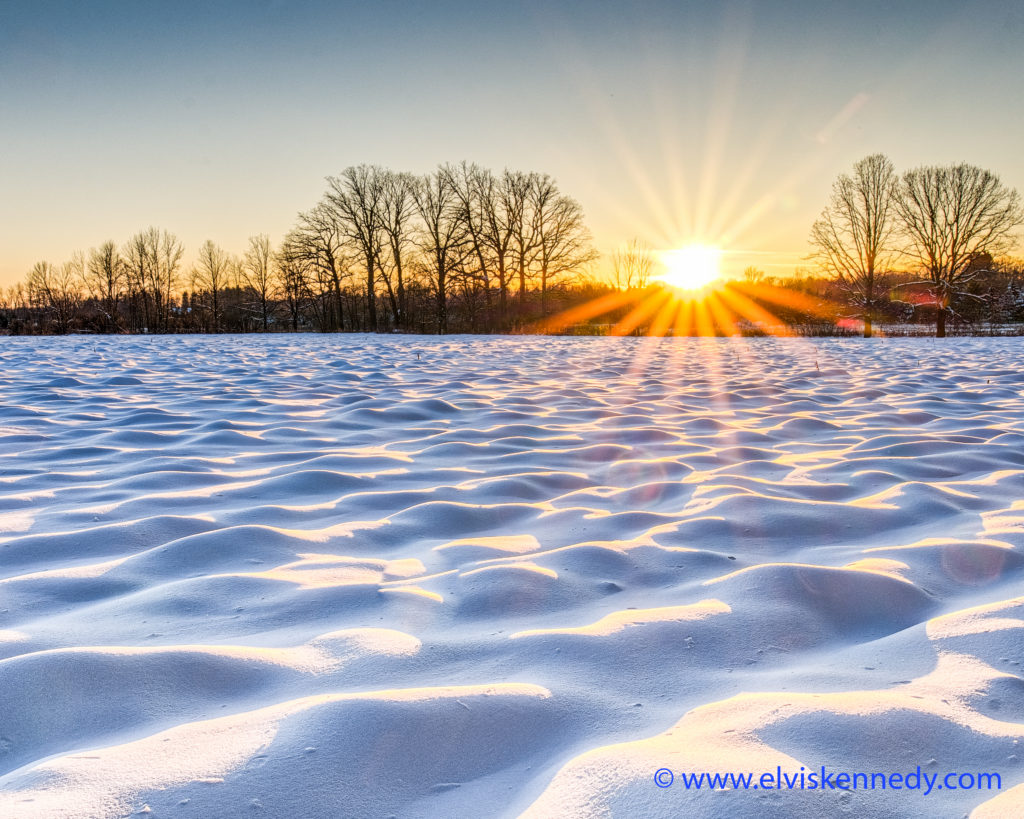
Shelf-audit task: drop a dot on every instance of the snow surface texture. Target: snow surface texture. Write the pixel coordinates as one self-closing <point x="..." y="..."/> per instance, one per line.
<point x="369" y="576"/>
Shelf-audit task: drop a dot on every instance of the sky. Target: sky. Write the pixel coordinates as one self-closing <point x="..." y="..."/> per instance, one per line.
<point x="674" y="122"/>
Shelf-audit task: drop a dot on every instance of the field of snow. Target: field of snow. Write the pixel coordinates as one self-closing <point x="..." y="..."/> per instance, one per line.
<point x="460" y="577"/>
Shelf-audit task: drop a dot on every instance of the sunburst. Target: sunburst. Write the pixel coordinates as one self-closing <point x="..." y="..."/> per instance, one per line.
<point x="692" y="268"/>
<point x="721" y="308"/>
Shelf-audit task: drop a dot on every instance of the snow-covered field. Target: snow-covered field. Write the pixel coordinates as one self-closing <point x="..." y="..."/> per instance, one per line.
<point x="460" y="577"/>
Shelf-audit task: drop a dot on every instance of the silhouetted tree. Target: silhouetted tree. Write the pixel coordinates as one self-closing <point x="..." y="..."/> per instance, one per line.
<point x="104" y="280"/>
<point x="257" y="274"/>
<point x="561" y="238"/>
<point x="319" y="240"/>
<point x="55" y="291"/>
<point x="211" y="275"/>
<point x="753" y="275"/>
<point x="293" y="280"/>
<point x="152" y="262"/>
<point x="517" y="187"/>
<point x="502" y="211"/>
<point x="443" y="238"/>
<point x="632" y="266"/>
<point x="853" y="238"/>
<point x="473" y="187"/>
<point x="356" y="199"/>
<point x="950" y="216"/>
<point x="397" y="209"/>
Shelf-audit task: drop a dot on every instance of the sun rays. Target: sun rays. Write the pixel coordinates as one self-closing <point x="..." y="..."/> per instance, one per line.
<point x="718" y="309"/>
<point x="706" y="201"/>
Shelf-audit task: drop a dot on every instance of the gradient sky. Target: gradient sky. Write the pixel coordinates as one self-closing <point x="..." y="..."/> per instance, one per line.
<point x="671" y="121"/>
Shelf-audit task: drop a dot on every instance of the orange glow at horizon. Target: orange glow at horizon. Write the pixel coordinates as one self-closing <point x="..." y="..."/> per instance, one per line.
<point x="732" y="308"/>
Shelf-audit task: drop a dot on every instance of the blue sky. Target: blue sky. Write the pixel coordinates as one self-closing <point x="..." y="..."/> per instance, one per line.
<point x="674" y="122"/>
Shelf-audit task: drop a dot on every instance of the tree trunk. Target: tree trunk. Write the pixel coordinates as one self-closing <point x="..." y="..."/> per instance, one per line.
<point x="442" y="300"/>
<point x="396" y="315"/>
<point x="502" y="301"/>
<point x="371" y="297"/>
<point x="940" y="322"/>
<point x="522" y="289"/>
<point x="400" y="318"/>
<point x="544" y="295"/>
<point x="870" y="301"/>
<point x="338" y="314"/>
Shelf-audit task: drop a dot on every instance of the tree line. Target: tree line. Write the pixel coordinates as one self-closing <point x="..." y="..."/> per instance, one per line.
<point x="462" y="249"/>
<point x="931" y="230"/>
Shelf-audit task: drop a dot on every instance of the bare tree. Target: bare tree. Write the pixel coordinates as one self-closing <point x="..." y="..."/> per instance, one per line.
<point x="17" y="297"/>
<point x="356" y="197"/>
<point x="632" y="265"/>
<point x="502" y="211"/>
<point x="166" y="274"/>
<point x="256" y="272"/>
<point x="320" y="241"/>
<point x="443" y="239"/>
<point x="474" y="186"/>
<point x="138" y="261"/>
<point x="516" y="187"/>
<point x="105" y="279"/>
<point x="853" y="237"/>
<point x="55" y="290"/>
<point x="952" y="216"/>
<point x="211" y="276"/>
<point x="562" y="239"/>
<point x="397" y="207"/>
<point x="152" y="262"/>
<point x="292" y="272"/>
<point x="753" y="275"/>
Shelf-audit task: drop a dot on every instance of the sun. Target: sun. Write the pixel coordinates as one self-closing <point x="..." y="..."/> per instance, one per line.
<point x="692" y="267"/>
